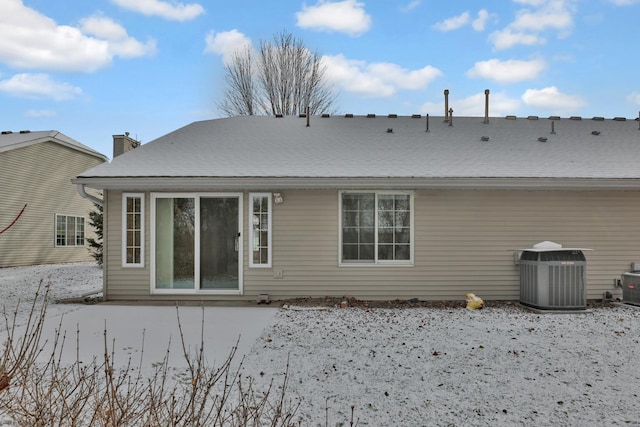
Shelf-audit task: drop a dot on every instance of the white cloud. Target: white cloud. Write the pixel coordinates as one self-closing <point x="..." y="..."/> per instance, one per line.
<point x="510" y="71"/>
<point x="173" y="11"/>
<point x="457" y="22"/>
<point x="379" y="79"/>
<point x="120" y="43"/>
<point x="531" y="2"/>
<point x="103" y="27"/>
<point x="40" y="113"/>
<point x="480" y="22"/>
<point x="634" y="98"/>
<point x="534" y="21"/>
<point x="30" y="40"/>
<point x="552" y="99"/>
<point x="556" y="14"/>
<point x="352" y="76"/>
<point x="226" y="43"/>
<point x="411" y="5"/>
<point x="504" y="39"/>
<point x="624" y="2"/>
<point x="499" y="105"/>
<point x="347" y="16"/>
<point x="453" y="23"/>
<point x="37" y="86"/>
<point x="403" y="78"/>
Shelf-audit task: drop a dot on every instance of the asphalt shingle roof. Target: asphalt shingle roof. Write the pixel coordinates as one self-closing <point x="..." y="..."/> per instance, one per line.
<point x="384" y="147"/>
<point x="13" y="140"/>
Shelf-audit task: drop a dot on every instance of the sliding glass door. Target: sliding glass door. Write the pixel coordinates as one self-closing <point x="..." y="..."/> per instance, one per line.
<point x="197" y="243"/>
<point x="219" y="243"/>
<point x="175" y="243"/>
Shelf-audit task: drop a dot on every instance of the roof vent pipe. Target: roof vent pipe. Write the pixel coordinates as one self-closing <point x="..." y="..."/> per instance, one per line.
<point x="486" y="106"/>
<point x="446" y="105"/>
<point x="638" y="120"/>
<point x="427" y="124"/>
<point x="450" y="116"/>
<point x="553" y="127"/>
<point x="307" y="116"/>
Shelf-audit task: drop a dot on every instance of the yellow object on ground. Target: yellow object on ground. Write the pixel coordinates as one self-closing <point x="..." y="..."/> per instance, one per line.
<point x="474" y="302"/>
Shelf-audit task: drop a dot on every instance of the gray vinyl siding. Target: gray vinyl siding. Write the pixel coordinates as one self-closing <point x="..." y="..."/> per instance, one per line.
<point x="128" y="283"/>
<point x="39" y="175"/>
<point x="465" y="241"/>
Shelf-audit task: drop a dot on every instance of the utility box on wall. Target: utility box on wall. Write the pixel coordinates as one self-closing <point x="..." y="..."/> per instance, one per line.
<point x="553" y="277"/>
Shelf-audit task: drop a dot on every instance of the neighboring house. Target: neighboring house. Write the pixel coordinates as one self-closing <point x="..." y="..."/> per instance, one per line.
<point x="372" y="207"/>
<point x="43" y="219"/>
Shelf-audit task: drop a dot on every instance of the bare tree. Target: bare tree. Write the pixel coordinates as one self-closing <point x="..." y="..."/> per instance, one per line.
<point x="285" y="78"/>
<point x="240" y="93"/>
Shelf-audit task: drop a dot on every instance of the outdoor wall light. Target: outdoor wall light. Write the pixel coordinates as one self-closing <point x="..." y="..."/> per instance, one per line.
<point x="277" y="198"/>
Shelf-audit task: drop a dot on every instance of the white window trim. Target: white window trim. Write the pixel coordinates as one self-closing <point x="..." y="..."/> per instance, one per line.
<point x="251" y="234"/>
<point x="55" y="232"/>
<point x="376" y="262"/>
<point x="124" y="230"/>
<point x="152" y="245"/>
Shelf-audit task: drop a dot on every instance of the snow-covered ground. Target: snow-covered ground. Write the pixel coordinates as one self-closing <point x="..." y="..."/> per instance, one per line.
<point x="126" y="325"/>
<point x="19" y="285"/>
<point x="501" y="366"/>
<point x="497" y="367"/>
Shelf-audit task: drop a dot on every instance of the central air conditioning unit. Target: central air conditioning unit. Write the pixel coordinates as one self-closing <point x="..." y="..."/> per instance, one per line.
<point x="631" y="287"/>
<point x="553" y="277"/>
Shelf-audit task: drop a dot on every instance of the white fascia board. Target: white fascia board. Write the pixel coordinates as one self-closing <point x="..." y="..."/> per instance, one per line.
<point x="268" y="183"/>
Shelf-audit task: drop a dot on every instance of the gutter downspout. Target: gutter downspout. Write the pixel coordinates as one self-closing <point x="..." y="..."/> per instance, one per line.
<point x="99" y="202"/>
<point x="87" y="196"/>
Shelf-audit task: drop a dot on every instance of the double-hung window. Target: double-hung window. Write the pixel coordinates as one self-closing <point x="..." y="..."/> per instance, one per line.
<point x="376" y="227"/>
<point x="260" y="230"/>
<point x="69" y="230"/>
<point x="133" y="230"/>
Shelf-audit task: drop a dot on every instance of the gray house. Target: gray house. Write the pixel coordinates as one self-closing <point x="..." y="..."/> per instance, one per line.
<point x="379" y="207"/>
<point x="43" y="219"/>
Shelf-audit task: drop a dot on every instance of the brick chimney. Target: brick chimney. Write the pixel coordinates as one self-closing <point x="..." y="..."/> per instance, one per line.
<point x="123" y="143"/>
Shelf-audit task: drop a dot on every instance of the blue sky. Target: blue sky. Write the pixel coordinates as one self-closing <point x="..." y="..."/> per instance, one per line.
<point x="91" y="69"/>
